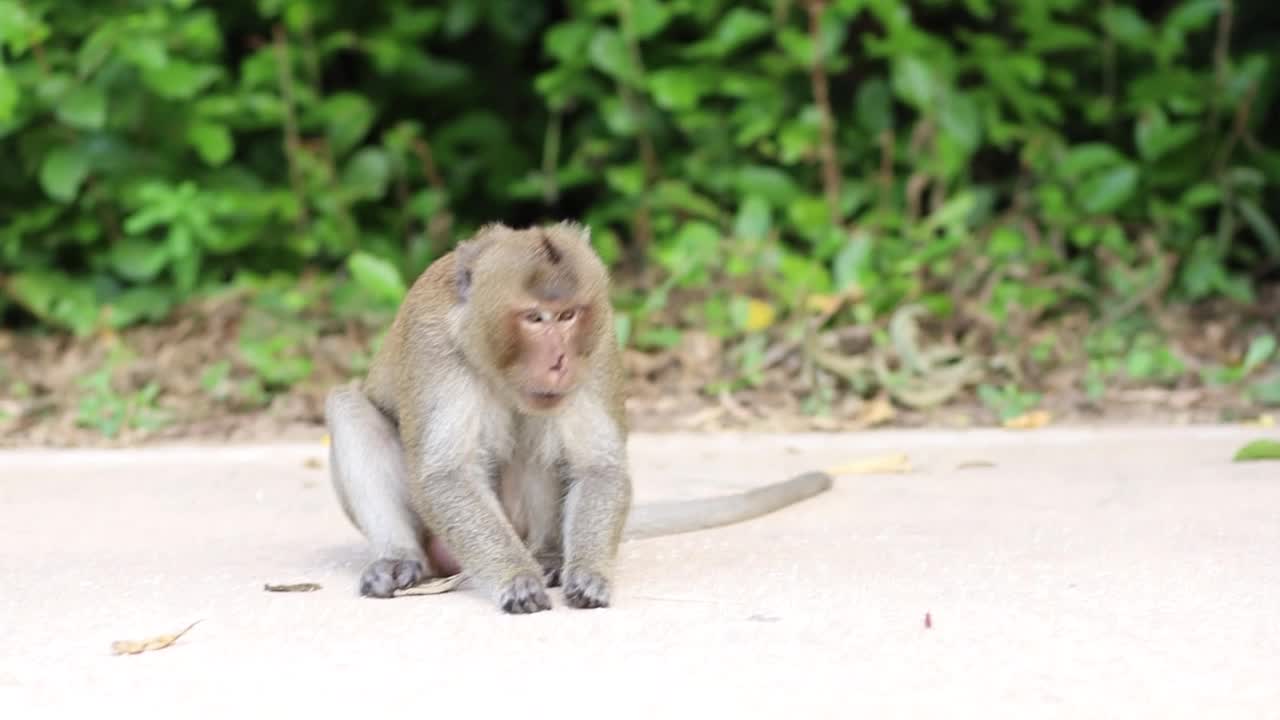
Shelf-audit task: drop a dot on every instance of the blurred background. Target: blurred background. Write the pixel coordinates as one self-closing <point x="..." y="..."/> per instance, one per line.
<point x="821" y="214"/>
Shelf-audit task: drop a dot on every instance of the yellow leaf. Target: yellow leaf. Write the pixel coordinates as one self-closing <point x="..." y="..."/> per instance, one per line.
<point x="325" y="439"/>
<point x="760" y="314"/>
<point x="1264" y="420"/>
<point x="1029" y="421"/>
<point x="891" y="463"/>
<point x="159" y="642"/>
<point x="875" y="412"/>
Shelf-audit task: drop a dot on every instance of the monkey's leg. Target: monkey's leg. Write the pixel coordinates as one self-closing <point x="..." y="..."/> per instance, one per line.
<point x="368" y="472"/>
<point x="595" y="512"/>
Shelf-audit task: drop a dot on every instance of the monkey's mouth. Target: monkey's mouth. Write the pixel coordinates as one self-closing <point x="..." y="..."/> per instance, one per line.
<point x="544" y="399"/>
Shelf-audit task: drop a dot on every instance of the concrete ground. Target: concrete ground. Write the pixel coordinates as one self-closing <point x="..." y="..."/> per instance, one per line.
<point x="1086" y="574"/>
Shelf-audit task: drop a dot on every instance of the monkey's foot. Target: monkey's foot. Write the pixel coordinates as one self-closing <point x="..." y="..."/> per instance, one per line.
<point x="586" y="589"/>
<point x="525" y="594"/>
<point x="386" y="575"/>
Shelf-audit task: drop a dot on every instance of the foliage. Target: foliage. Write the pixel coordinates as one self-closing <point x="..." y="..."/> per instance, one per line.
<point x="978" y="158"/>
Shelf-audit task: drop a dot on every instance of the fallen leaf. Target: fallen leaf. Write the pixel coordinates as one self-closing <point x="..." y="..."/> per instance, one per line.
<point x="824" y="304"/>
<point x="1029" y="421"/>
<point x="966" y="464"/>
<point x="312" y="463"/>
<point x="1265" y="420"/>
<point x="434" y="586"/>
<point x="325" y="440"/>
<point x="1259" y="450"/>
<point x="159" y="642"/>
<point x="879" y="410"/>
<point x="760" y="314"/>
<point x="893" y="463"/>
<point x="295" y="587"/>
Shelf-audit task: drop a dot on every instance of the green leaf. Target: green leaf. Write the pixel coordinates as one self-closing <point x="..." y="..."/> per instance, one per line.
<point x="377" y="276"/>
<point x="1156" y="137"/>
<point x="1260" y="350"/>
<point x="608" y="52"/>
<point x="568" y="41"/>
<point x="1110" y="190"/>
<point x="1261" y="225"/>
<point x="367" y="174"/>
<point x="1201" y="195"/>
<point x="913" y="81"/>
<point x="1258" y="450"/>
<point x="62" y="171"/>
<point x="959" y="118"/>
<point x="212" y="141"/>
<point x="138" y="259"/>
<point x="1088" y="157"/>
<point x="676" y="88"/>
<point x="738" y="27"/>
<point x="84" y="107"/>
<point x="179" y="79"/>
<point x="770" y="183"/>
<point x="874" y="106"/>
<point x="1126" y="26"/>
<point x="754" y="219"/>
<point x="10" y="94"/>
<point x="648" y="17"/>
<point x="626" y="179"/>
<point x="348" y="117"/>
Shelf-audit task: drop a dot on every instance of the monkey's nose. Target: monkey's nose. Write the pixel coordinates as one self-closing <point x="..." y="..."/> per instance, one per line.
<point x="559" y="364"/>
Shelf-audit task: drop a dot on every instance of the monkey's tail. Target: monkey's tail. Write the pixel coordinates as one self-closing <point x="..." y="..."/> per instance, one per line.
<point x="681" y="516"/>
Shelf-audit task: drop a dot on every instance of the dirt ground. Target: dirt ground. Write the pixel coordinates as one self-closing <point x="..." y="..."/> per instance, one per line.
<point x="192" y="380"/>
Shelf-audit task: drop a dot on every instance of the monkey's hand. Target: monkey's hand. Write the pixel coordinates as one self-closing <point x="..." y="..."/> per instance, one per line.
<point x="584" y="588"/>
<point x="524" y="594"/>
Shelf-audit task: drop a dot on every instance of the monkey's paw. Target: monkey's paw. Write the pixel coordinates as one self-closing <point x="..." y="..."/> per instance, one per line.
<point x="525" y="594"/>
<point x="586" y="588"/>
<point x="386" y="575"/>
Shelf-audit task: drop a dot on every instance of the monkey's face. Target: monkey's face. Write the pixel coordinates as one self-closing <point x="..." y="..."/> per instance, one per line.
<point x="544" y="363"/>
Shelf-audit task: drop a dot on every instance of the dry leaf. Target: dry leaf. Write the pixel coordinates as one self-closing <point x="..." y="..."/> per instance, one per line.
<point x="1265" y="420"/>
<point x="434" y="586"/>
<point x="295" y="587"/>
<point x="312" y="463"/>
<point x="824" y="304"/>
<point x="966" y="464"/>
<point x="1029" y="421"/>
<point x="893" y="463"/>
<point x="325" y="440"/>
<point x="879" y="410"/>
<point x="159" y="642"/>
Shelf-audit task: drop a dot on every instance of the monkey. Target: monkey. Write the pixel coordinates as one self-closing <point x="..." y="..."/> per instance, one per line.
<point x="489" y="433"/>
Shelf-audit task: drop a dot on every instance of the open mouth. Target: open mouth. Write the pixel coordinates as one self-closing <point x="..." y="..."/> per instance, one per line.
<point x="545" y="398"/>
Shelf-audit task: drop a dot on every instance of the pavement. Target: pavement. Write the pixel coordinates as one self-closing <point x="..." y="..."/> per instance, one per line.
<point x="1075" y="573"/>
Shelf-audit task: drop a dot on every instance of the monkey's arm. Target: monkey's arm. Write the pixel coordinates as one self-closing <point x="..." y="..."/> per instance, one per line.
<point x="681" y="516"/>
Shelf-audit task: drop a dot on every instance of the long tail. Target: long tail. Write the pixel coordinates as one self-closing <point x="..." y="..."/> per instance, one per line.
<point x="681" y="516"/>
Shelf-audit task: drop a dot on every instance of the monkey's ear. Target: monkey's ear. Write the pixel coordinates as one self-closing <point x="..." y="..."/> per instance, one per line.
<point x="465" y="256"/>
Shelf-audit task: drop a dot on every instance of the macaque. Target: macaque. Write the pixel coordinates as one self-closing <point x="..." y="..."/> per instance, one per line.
<point x="489" y="435"/>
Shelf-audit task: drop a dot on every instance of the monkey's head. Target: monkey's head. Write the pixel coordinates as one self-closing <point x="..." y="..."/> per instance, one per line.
<point x="535" y="310"/>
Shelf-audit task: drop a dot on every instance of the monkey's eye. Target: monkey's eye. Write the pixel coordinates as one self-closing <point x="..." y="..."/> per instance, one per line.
<point x="567" y="315"/>
<point x="533" y="317"/>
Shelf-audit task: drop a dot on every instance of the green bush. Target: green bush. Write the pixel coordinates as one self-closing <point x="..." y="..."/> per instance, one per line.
<point x="997" y="157"/>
